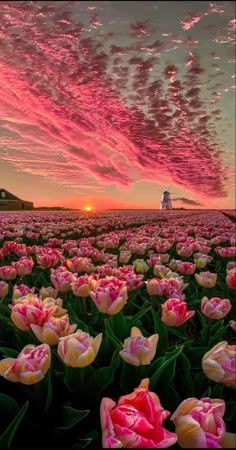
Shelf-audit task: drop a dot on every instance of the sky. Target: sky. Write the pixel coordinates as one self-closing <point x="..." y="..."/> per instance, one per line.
<point x="109" y="103"/>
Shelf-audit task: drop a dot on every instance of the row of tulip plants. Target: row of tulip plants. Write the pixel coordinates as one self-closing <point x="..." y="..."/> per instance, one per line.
<point x="117" y="331"/>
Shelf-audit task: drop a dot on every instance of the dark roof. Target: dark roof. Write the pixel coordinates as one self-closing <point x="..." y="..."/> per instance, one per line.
<point x="166" y="192"/>
<point x="9" y="194"/>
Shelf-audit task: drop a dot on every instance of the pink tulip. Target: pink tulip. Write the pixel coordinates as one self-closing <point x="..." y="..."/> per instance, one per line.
<point x="79" y="349"/>
<point x="219" y="364"/>
<point x="231" y="265"/>
<point x="30" y="366"/>
<point x="175" y="313"/>
<point x="109" y="295"/>
<point x="155" y="286"/>
<point x="160" y="271"/>
<point x="199" y="423"/>
<point x="48" y="302"/>
<point x="53" y="329"/>
<point x="7" y="273"/>
<point x="226" y="252"/>
<point x="124" y="257"/>
<point x="186" y="268"/>
<point x="81" y="286"/>
<point x="231" y="279"/>
<point x="135" y="421"/>
<point x="48" y="292"/>
<point x="3" y="289"/>
<point x="206" y="279"/>
<point x="28" y="312"/>
<point x="139" y="350"/>
<point x="48" y="259"/>
<point x="21" y="290"/>
<point x="215" y="308"/>
<point x="62" y="279"/>
<point x="105" y="270"/>
<point x="24" y="266"/>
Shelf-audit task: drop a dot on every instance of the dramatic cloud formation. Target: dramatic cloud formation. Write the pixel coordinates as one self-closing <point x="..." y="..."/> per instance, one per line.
<point x="186" y="201"/>
<point x="92" y="96"/>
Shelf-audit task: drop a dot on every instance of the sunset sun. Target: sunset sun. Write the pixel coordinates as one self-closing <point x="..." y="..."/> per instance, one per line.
<point x="88" y="208"/>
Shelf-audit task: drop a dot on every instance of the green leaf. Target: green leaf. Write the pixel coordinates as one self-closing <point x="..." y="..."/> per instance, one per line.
<point x="8" y="435"/>
<point x="82" y="443"/>
<point x="161" y="329"/>
<point x="8" y="406"/>
<point x="168" y="361"/>
<point x="9" y="352"/>
<point x="71" y="417"/>
<point x="138" y="316"/>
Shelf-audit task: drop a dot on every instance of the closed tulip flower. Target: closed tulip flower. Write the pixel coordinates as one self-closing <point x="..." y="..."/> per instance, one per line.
<point x="81" y="286"/>
<point x="109" y="295"/>
<point x="231" y="278"/>
<point x="48" y="302"/>
<point x="62" y="279"/>
<point x="3" y="289"/>
<point x="140" y="266"/>
<point x="201" y="262"/>
<point x="175" y="313"/>
<point x="136" y="421"/>
<point x="155" y="286"/>
<point x="186" y="268"/>
<point x="219" y="364"/>
<point x="48" y="292"/>
<point x="29" y="312"/>
<point x="7" y="273"/>
<point x="206" y="279"/>
<point x="21" y="291"/>
<point x="24" y="266"/>
<point x="215" y="308"/>
<point x="232" y="324"/>
<point x="124" y="257"/>
<point x="139" y="350"/>
<point x="30" y="366"/>
<point x="79" y="349"/>
<point x="200" y="424"/>
<point x="53" y="329"/>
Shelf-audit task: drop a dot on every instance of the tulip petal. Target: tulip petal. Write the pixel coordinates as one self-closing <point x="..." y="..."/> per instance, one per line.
<point x="229" y="440"/>
<point x="189" y="432"/>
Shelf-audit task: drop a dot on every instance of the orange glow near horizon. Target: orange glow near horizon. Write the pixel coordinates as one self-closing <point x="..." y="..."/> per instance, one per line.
<point x="88" y="208"/>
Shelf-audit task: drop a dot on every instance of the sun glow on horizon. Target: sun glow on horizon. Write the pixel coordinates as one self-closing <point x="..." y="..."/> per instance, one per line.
<point x="88" y="208"/>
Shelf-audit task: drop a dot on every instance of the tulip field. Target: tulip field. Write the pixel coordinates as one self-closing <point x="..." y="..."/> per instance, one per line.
<point x="117" y="329"/>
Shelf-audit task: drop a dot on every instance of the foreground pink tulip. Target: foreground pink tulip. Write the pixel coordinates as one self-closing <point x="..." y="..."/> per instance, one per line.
<point x="30" y="366"/>
<point x="139" y="350"/>
<point x="28" y="312"/>
<point x="24" y="266"/>
<point x="48" y="302"/>
<point x="3" y="289"/>
<point x="109" y="295"/>
<point x="62" y="279"/>
<point x="20" y="291"/>
<point x="206" y="279"/>
<point x="219" y="364"/>
<point x="79" y="349"/>
<point x="81" y="286"/>
<point x="53" y="329"/>
<point x="175" y="313"/>
<point x="7" y="273"/>
<point x="199" y="423"/>
<point x="231" y="278"/>
<point x="215" y="308"/>
<point x="135" y="421"/>
<point x="155" y="286"/>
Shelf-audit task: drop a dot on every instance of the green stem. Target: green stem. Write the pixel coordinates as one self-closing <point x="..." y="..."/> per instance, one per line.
<point x="84" y="301"/>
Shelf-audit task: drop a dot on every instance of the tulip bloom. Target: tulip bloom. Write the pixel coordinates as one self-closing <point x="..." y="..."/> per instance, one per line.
<point x="21" y="291"/>
<point x="79" y="349"/>
<point x="215" y="308"/>
<point x="186" y="268"/>
<point x="7" y="273"/>
<point x="231" y="278"/>
<point x="48" y="292"/>
<point x="30" y="366"/>
<point x="232" y="324"/>
<point x="24" y="266"/>
<point x="48" y="302"/>
<point x="3" y="289"/>
<point x="200" y="424"/>
<point x="135" y="421"/>
<point x="140" y="266"/>
<point x="52" y="329"/>
<point x="201" y="262"/>
<point x="124" y="257"/>
<point x="155" y="286"/>
<point x="219" y="364"/>
<point x="109" y="295"/>
<point x="175" y="313"/>
<point x="206" y="279"/>
<point x="139" y="350"/>
<point x="29" y="312"/>
<point x="81" y="286"/>
<point x="62" y="279"/>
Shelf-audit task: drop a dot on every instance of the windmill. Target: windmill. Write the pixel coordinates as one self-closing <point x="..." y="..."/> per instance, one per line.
<point x="166" y="200"/>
